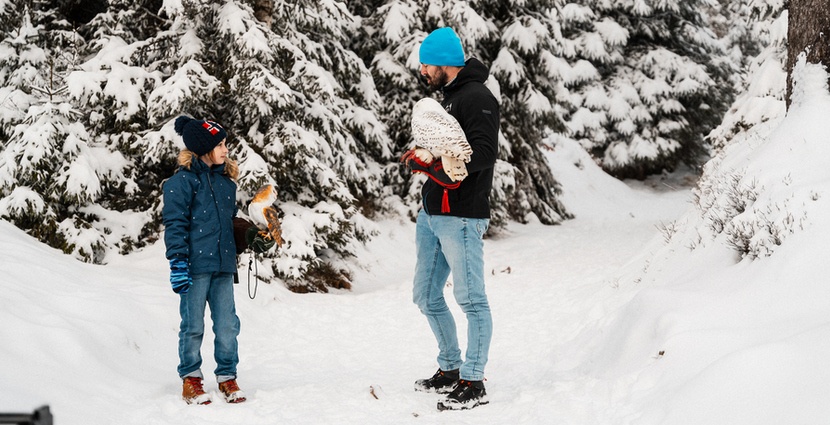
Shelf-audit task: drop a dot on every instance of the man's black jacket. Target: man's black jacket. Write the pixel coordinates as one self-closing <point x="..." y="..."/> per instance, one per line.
<point x="477" y="110"/>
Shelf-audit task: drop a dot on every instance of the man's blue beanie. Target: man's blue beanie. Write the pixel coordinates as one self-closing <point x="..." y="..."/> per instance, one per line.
<point x="442" y="47"/>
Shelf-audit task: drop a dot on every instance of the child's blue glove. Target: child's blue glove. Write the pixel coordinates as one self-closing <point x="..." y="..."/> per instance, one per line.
<point x="180" y="275"/>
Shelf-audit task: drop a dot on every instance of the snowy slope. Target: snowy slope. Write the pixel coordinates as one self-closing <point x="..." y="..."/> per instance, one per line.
<point x="744" y="340"/>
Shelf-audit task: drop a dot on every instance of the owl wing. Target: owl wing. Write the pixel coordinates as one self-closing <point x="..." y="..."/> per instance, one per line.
<point x="274" y="227"/>
<point x="436" y="130"/>
<point x="455" y="168"/>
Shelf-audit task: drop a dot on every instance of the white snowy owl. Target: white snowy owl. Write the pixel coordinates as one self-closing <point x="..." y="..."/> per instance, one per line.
<point x="437" y="133"/>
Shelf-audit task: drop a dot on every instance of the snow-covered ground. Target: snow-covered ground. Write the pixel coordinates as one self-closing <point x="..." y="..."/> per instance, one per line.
<point x="98" y="343"/>
<point x="601" y="320"/>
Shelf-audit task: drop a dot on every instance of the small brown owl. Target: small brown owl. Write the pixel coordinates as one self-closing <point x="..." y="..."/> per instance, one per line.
<point x="262" y="212"/>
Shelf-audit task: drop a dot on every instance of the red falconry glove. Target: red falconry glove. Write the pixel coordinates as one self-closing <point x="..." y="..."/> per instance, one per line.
<point x="413" y="155"/>
<point x="435" y="171"/>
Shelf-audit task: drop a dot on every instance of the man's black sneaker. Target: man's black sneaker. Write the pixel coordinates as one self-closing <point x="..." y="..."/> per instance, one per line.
<point x="441" y="382"/>
<point x="465" y="395"/>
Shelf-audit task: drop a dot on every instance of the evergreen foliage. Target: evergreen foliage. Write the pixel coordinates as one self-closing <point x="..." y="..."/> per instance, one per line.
<point x="638" y="83"/>
<point x="732" y="202"/>
<point x="648" y="80"/>
<point x="392" y="34"/>
<point x="527" y="40"/>
<point x="51" y="167"/>
<point x="299" y="108"/>
<point x="757" y="38"/>
<point x="316" y="97"/>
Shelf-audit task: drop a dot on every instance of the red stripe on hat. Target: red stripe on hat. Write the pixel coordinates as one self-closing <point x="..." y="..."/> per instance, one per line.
<point x="213" y="130"/>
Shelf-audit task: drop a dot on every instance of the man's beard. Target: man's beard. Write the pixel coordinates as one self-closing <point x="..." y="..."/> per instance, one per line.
<point x="438" y="81"/>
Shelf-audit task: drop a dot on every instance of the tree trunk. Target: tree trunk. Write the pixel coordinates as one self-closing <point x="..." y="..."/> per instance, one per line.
<point x="263" y="10"/>
<point x="808" y="31"/>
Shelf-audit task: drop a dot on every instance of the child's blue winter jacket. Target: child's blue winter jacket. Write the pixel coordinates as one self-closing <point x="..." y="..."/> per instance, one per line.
<point x="198" y="212"/>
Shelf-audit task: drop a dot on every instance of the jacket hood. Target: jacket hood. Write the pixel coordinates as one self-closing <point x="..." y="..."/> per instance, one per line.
<point x="190" y="161"/>
<point x="473" y="71"/>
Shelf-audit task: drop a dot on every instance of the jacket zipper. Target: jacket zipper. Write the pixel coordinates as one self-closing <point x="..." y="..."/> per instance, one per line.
<point x="218" y="218"/>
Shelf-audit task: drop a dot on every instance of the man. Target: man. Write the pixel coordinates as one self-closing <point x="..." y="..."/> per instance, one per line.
<point x="452" y="222"/>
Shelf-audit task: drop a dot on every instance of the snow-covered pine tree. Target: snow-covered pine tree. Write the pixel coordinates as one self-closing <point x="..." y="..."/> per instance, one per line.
<point x="111" y="86"/>
<point x="388" y="40"/>
<point x="528" y="38"/>
<point x="52" y="168"/>
<point x="392" y="33"/>
<point x="327" y="147"/>
<point x="663" y="82"/>
<point x="756" y="33"/>
<point x="299" y="107"/>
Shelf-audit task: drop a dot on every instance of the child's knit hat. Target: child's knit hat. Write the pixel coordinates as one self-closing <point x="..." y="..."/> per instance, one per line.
<point x="200" y="136"/>
<point x="442" y="47"/>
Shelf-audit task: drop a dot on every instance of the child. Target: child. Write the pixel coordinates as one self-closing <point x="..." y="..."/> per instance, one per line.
<point x="198" y="213"/>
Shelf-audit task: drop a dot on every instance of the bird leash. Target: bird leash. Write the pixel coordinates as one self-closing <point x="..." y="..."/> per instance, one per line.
<point x="253" y="265"/>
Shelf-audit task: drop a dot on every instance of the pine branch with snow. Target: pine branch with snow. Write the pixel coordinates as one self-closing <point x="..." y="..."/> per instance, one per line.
<point x="52" y="168"/>
<point x="758" y="40"/>
<point x="293" y="98"/>
<point x="646" y="96"/>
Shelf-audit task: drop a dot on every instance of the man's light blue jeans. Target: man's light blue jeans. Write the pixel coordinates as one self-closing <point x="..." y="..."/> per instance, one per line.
<point x="215" y="289"/>
<point x="454" y="244"/>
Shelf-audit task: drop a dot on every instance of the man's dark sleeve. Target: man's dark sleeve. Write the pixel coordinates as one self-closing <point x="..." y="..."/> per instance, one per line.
<point x="479" y="118"/>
